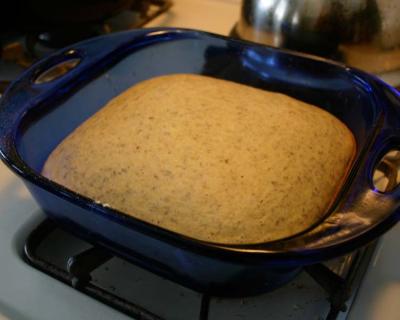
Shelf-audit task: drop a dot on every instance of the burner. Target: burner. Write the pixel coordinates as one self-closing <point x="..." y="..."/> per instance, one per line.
<point x="141" y="12"/>
<point x="60" y="38"/>
<point x="123" y="286"/>
<point x="43" y="41"/>
<point x="20" y="50"/>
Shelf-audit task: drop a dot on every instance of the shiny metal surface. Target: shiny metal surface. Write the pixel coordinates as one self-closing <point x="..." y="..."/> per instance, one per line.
<point x="362" y="33"/>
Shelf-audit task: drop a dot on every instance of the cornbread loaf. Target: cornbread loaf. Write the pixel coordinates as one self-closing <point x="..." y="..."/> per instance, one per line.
<point x="207" y="158"/>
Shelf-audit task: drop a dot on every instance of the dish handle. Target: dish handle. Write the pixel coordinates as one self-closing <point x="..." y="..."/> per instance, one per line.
<point x="67" y="70"/>
<point x="370" y="202"/>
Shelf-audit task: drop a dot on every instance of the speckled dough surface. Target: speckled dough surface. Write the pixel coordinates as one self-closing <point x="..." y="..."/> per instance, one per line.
<point x="207" y="158"/>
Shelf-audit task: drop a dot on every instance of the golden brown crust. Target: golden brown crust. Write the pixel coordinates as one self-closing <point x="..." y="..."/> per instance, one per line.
<point x="207" y="158"/>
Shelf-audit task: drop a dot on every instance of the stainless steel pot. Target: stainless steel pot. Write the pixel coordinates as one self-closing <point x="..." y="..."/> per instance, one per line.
<point x="362" y="33"/>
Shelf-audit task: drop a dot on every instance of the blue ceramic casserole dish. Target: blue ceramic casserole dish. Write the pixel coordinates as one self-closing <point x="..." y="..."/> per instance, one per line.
<point x="36" y="115"/>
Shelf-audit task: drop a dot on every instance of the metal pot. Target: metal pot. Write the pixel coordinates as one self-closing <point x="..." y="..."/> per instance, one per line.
<point x="362" y="33"/>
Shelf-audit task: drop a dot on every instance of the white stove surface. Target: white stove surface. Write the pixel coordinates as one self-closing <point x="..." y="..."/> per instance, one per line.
<point x="26" y="293"/>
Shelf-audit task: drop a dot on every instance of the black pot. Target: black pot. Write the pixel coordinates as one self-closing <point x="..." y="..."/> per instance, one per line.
<point x="39" y="15"/>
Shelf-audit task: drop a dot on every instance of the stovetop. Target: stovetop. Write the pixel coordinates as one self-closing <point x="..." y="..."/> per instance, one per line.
<point x="27" y="293"/>
<point x="325" y="289"/>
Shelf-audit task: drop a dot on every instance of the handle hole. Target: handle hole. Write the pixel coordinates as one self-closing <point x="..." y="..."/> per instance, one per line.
<point x="386" y="175"/>
<point x="57" y="71"/>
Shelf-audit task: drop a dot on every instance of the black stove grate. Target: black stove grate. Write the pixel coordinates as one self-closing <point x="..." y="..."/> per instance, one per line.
<point x="80" y="266"/>
<point x="25" y="45"/>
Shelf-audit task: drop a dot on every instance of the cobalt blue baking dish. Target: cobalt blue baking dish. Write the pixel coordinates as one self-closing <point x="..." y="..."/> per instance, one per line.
<point x="36" y="113"/>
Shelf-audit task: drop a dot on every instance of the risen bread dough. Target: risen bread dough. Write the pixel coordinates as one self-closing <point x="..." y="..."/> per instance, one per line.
<point x="208" y="158"/>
